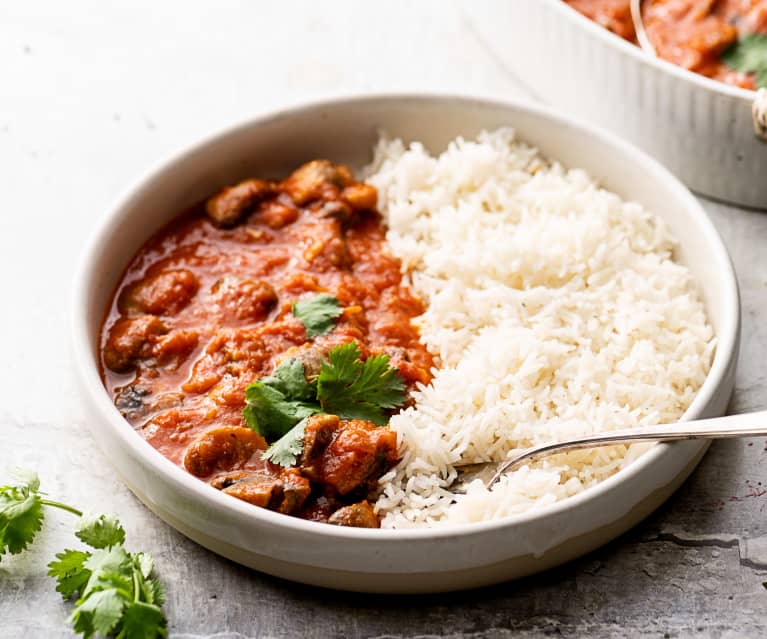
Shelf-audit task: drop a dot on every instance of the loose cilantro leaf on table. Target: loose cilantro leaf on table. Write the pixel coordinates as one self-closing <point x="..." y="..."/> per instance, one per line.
<point x="117" y="594"/>
<point x="317" y="313"/>
<point x="143" y="621"/>
<point x="353" y="389"/>
<point x="277" y="406"/>
<point x="21" y="513"/>
<point x="100" y="531"/>
<point x="749" y="54"/>
<point x="69" y="572"/>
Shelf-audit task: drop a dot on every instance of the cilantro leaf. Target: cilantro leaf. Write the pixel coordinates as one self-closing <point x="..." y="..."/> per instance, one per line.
<point x="70" y="572"/>
<point x="144" y="563"/>
<point x="271" y="413"/>
<point x="317" y="313"/>
<point x="749" y="55"/>
<point x="143" y="621"/>
<point x="274" y="404"/>
<point x="277" y="406"/>
<point x="105" y="561"/>
<point x="289" y="378"/>
<point x="378" y="383"/>
<point x="119" y="597"/>
<point x="154" y="592"/>
<point x="27" y="478"/>
<point x="100" y="531"/>
<point x="21" y="514"/>
<point x="353" y="389"/>
<point x="287" y="448"/>
<point x="99" y="612"/>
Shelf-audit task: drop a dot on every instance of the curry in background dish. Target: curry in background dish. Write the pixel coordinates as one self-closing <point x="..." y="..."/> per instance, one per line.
<point x="204" y="309"/>
<point x="693" y="34"/>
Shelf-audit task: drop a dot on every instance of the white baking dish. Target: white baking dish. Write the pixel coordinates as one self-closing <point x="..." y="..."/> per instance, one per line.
<point x="701" y="129"/>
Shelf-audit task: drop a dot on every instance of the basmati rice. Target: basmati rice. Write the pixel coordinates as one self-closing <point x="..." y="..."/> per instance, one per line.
<point x="555" y="309"/>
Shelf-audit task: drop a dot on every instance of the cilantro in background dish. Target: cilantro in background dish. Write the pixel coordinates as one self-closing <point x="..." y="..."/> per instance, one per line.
<point x="347" y="386"/>
<point x="317" y="313"/>
<point x="116" y="593"/>
<point x="749" y="55"/>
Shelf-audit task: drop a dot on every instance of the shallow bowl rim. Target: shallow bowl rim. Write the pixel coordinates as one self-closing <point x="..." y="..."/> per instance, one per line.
<point x="193" y="488"/>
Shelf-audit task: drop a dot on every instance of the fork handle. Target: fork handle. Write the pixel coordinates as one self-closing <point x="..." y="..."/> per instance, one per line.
<point x="726" y="427"/>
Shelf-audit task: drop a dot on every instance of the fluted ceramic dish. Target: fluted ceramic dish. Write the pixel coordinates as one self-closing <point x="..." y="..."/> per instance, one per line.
<point x="700" y="129"/>
<point x="403" y="561"/>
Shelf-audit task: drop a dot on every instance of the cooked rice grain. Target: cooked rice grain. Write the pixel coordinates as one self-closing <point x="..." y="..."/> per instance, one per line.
<point x="556" y="309"/>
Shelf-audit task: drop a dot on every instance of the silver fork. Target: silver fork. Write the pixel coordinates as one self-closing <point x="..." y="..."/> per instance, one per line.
<point x="715" y="428"/>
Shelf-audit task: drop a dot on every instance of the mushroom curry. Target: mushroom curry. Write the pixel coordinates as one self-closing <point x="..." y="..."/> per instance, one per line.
<point x="262" y="340"/>
<point x="722" y="39"/>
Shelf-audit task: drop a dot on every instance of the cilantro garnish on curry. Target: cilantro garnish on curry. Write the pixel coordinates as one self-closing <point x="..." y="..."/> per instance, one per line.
<point x="749" y="55"/>
<point x="346" y="386"/>
<point x="263" y="339"/>
<point x="317" y="313"/>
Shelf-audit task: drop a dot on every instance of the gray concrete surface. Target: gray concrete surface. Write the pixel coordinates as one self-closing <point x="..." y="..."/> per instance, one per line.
<point x="91" y="94"/>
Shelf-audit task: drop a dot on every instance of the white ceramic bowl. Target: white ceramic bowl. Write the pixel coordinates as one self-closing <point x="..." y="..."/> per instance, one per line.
<point x="384" y="560"/>
<point x="701" y="129"/>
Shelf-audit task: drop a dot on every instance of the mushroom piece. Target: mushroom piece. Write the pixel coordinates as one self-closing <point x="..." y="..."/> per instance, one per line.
<point x="244" y="299"/>
<point x="228" y="206"/>
<point x="319" y="179"/>
<point x="222" y="448"/>
<point x="359" y="515"/>
<point x="311" y="355"/>
<point x="219" y="482"/>
<point x="318" y="433"/>
<point x="360" y="196"/>
<point x="164" y="293"/>
<point x="131" y="338"/>
<point x="131" y="400"/>
<point x="284" y="491"/>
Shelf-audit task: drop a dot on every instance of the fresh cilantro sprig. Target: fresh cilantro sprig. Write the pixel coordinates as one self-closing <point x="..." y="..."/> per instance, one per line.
<point x="353" y="389"/>
<point x="348" y="386"/>
<point x="115" y="590"/>
<point x="749" y="55"/>
<point x="317" y="313"/>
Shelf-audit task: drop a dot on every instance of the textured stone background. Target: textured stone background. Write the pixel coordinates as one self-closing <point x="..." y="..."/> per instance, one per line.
<point x="91" y="94"/>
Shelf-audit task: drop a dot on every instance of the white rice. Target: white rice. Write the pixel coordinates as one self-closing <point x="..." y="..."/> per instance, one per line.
<point x="555" y="309"/>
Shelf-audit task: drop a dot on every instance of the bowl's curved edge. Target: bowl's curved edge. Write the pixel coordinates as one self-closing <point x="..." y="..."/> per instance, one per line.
<point x="442" y="581"/>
